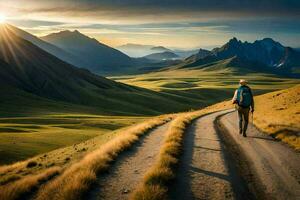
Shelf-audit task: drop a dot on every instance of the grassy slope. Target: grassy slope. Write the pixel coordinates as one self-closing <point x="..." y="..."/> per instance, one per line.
<point x="278" y="114"/>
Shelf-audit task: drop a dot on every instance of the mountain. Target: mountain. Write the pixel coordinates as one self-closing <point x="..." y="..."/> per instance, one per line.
<point x="160" y="49"/>
<point x="52" y="49"/>
<point x="261" y="55"/>
<point x="202" y="53"/>
<point x="34" y="77"/>
<point x="139" y="50"/>
<point x="185" y="53"/>
<point x="98" y="57"/>
<point x="162" y="56"/>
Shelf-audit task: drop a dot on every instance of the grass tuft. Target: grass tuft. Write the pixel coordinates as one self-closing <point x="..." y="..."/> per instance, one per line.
<point x="25" y="186"/>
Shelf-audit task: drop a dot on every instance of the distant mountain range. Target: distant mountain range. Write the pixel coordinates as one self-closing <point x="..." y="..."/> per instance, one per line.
<point x="139" y="50"/>
<point x="261" y="55"/>
<point x="38" y="76"/>
<point x="97" y="57"/>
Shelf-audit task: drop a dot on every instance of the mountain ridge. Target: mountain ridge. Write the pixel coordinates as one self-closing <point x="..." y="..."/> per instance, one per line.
<point x="262" y="55"/>
<point x="98" y="57"/>
<point x="50" y="48"/>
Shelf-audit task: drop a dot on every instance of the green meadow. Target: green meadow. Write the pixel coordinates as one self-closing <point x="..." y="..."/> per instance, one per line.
<point x="24" y="137"/>
<point x="214" y="78"/>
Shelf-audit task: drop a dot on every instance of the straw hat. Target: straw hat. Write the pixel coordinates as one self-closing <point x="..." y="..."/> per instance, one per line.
<point x="243" y="82"/>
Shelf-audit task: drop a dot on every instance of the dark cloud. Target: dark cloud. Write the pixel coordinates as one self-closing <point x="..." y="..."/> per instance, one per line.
<point x="214" y="7"/>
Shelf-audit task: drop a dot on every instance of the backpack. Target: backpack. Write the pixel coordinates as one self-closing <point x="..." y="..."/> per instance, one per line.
<point x="244" y="96"/>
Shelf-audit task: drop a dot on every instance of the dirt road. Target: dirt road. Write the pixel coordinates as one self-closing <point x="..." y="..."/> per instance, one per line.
<point x="209" y="170"/>
<point x="128" y="171"/>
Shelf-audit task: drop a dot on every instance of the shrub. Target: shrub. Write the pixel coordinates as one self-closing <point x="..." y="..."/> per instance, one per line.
<point x="31" y="164"/>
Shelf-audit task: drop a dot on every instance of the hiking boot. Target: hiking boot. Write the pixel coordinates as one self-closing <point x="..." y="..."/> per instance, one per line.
<point x="241" y="132"/>
<point x="244" y="135"/>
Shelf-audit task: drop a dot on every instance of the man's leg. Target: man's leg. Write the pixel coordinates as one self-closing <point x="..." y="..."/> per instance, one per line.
<point x="246" y="120"/>
<point x="240" y="121"/>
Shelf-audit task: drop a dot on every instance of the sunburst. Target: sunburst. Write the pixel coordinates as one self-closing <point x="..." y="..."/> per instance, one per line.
<point x="2" y="18"/>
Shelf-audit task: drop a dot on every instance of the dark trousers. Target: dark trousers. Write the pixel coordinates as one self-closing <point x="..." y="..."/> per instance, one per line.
<point x="243" y="119"/>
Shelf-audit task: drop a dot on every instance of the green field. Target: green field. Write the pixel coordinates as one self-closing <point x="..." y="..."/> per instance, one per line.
<point x="24" y="137"/>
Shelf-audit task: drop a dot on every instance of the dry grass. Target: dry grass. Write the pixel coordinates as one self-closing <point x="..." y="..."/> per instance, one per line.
<point x="154" y="186"/>
<point x="24" y="186"/>
<point x="77" y="179"/>
<point x="278" y="114"/>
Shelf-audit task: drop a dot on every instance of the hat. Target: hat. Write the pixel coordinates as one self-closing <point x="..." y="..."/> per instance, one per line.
<point x="243" y="82"/>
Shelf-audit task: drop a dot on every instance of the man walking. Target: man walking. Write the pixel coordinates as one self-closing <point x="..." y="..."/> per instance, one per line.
<point x="243" y="98"/>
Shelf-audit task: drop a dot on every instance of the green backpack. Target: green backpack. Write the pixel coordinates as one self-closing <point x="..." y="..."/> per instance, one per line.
<point x="244" y="96"/>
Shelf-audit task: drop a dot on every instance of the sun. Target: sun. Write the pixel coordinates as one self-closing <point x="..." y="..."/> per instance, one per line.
<point x="2" y="18"/>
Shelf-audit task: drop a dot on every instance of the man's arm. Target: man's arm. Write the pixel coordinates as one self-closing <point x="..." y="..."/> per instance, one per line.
<point x="234" y="97"/>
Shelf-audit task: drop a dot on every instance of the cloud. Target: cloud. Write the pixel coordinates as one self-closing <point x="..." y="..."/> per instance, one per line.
<point x="142" y="11"/>
<point x="192" y="22"/>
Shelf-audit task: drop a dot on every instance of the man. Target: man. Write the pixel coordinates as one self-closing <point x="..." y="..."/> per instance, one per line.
<point x="243" y="98"/>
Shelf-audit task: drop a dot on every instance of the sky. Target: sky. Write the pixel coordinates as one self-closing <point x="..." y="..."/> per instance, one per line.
<point x="172" y="23"/>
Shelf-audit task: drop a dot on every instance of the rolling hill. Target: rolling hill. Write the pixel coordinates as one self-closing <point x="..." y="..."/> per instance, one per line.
<point x="166" y="55"/>
<point x="40" y="79"/>
<point x="98" y="58"/>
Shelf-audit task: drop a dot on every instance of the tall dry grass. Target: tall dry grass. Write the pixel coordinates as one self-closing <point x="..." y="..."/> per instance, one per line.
<point x="155" y="183"/>
<point x="278" y="114"/>
<point x="8" y="168"/>
<point x="24" y="186"/>
<point x="77" y="179"/>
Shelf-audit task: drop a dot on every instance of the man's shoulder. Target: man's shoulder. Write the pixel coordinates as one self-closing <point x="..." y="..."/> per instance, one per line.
<point x="245" y="86"/>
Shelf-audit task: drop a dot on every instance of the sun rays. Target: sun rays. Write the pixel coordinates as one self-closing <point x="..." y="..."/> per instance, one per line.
<point x="2" y="18"/>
